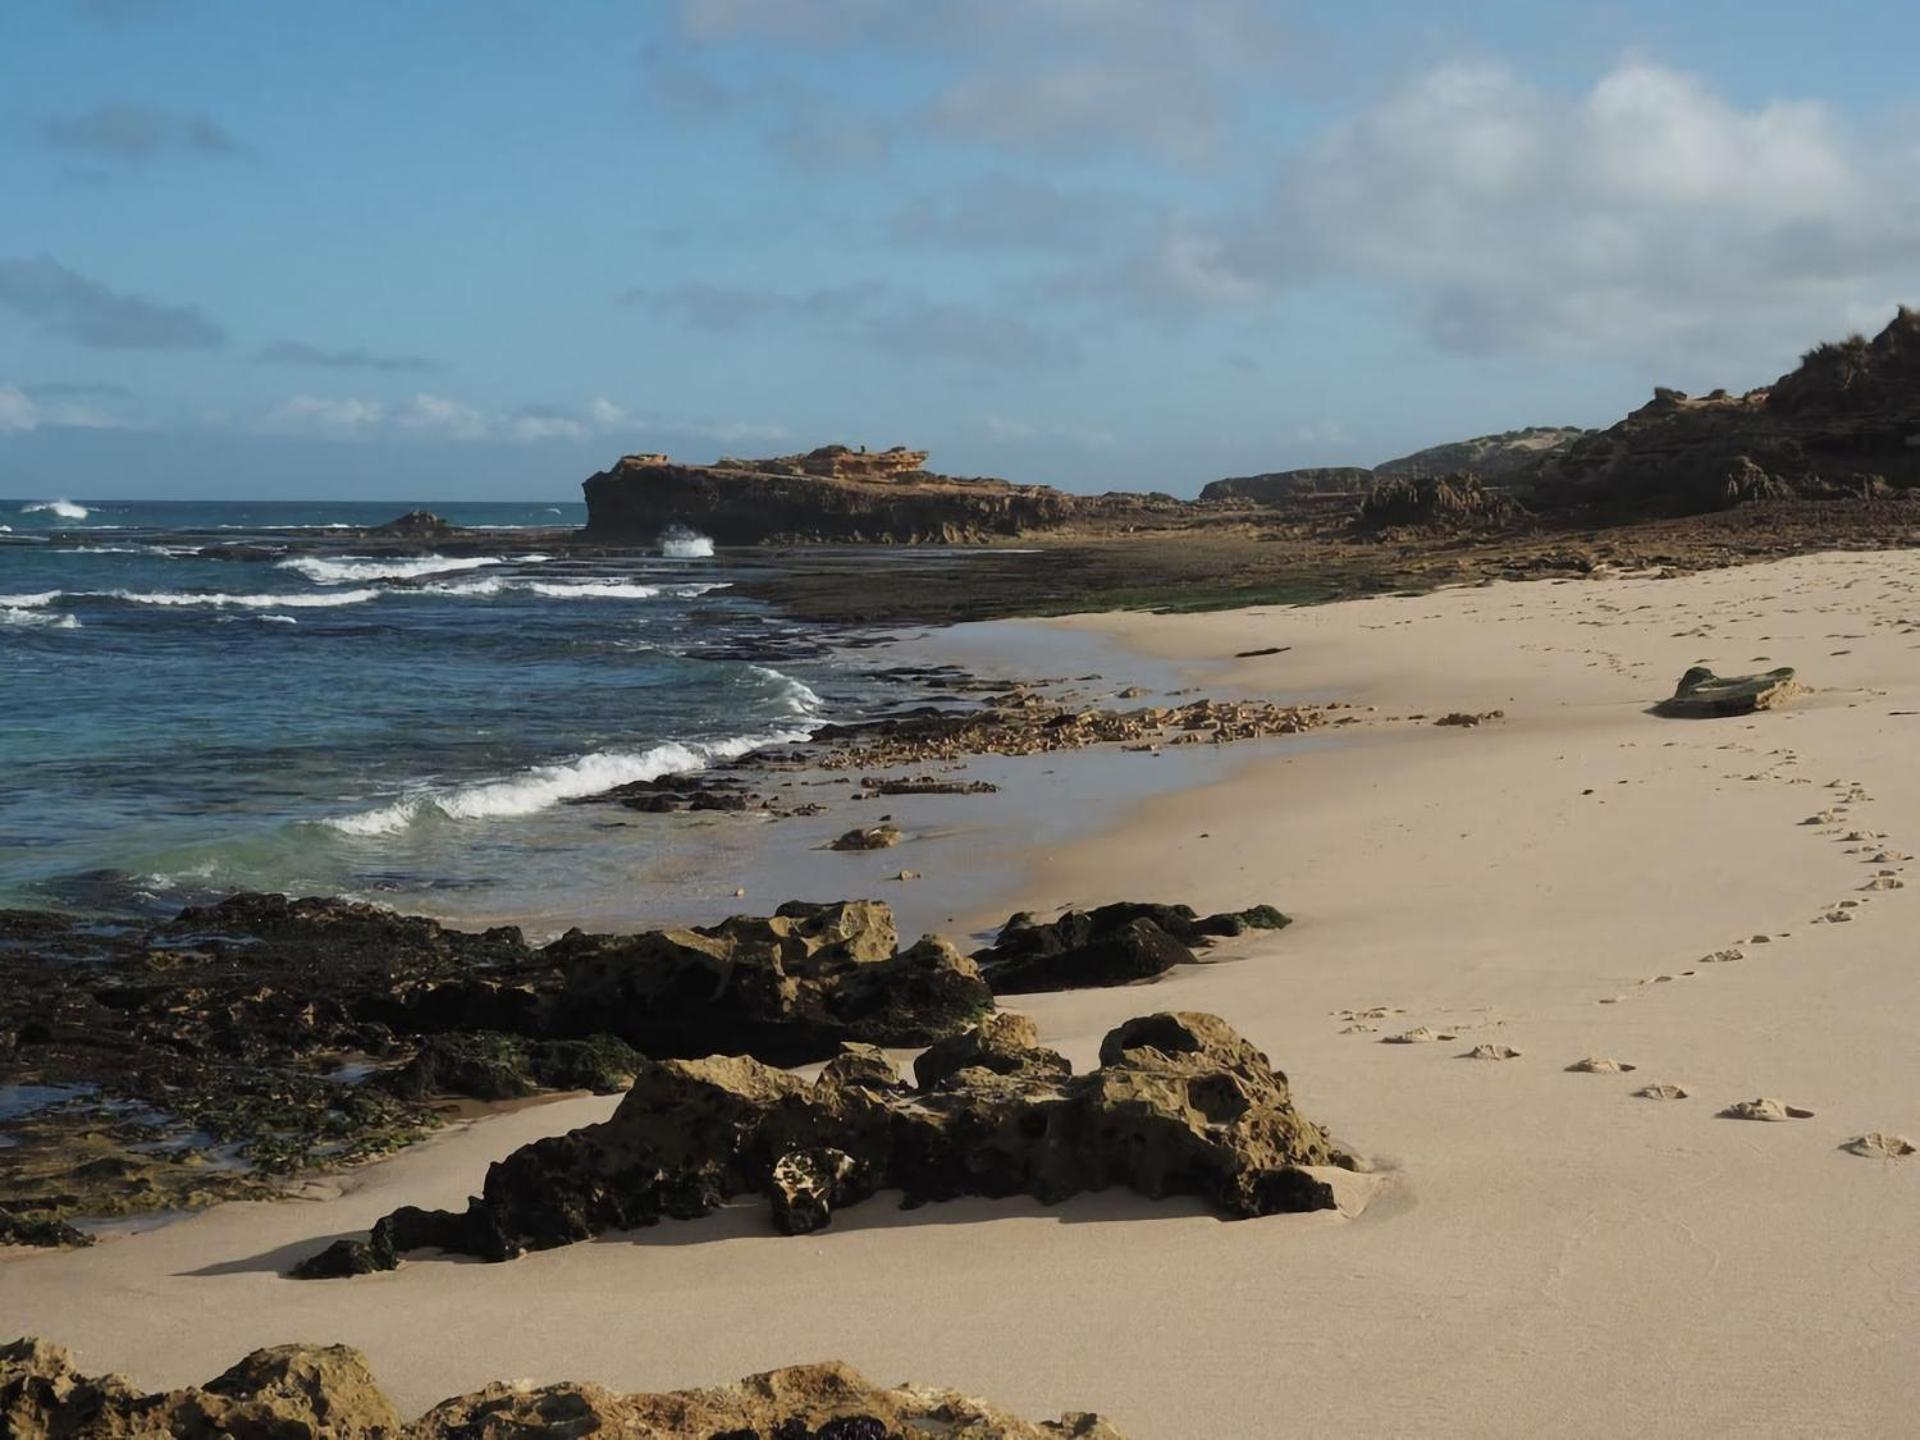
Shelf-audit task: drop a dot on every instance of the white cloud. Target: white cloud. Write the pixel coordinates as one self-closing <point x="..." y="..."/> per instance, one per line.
<point x="21" y="412"/>
<point x="1647" y="215"/>
<point x="436" y="414"/>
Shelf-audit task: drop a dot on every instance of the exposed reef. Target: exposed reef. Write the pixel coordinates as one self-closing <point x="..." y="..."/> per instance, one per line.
<point x="171" y="1065"/>
<point x="1180" y="1105"/>
<point x="328" y="1392"/>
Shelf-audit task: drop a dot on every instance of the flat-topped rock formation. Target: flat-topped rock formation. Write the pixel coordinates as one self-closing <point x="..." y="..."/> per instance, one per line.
<point x="838" y="494"/>
<point x="329" y="1391"/>
<point x="1845" y="423"/>
<point x="829" y="494"/>
<point x="1281" y="485"/>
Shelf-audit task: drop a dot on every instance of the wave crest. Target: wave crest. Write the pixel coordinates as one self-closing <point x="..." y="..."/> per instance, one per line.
<point x="352" y="568"/>
<point x="220" y="599"/>
<point x="65" y="509"/>
<point x="544" y="786"/>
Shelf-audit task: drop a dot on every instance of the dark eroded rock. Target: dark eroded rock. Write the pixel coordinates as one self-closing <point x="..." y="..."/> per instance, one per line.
<point x="1111" y="945"/>
<point x="1701" y="693"/>
<point x="1180" y="1105"/>
<point x="328" y="1393"/>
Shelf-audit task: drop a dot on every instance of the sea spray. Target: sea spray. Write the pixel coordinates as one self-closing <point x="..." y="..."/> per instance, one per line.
<point x="680" y="542"/>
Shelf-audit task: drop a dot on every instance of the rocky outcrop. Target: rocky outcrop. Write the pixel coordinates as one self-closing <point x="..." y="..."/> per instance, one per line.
<point x="417" y="524"/>
<point x="1446" y="503"/>
<point x="1844" y="424"/>
<point x="1702" y="693"/>
<point x="1283" y="485"/>
<point x="1491" y="457"/>
<point x="1180" y="1105"/>
<point x="836" y="494"/>
<point x="329" y="1393"/>
<point x="1112" y="945"/>
<point x="832" y="494"/>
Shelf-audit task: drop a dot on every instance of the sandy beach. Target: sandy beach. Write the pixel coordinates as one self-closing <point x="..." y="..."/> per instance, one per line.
<point x="1726" y="906"/>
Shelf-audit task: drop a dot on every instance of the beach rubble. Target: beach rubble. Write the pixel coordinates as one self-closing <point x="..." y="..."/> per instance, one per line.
<point x="329" y="1392"/>
<point x="1180" y="1105"/>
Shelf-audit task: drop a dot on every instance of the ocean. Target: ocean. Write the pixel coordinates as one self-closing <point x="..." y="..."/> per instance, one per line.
<point x="302" y="715"/>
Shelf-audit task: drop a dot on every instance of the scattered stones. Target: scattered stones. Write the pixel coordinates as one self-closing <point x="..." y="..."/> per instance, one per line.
<point x="329" y="1392"/>
<point x="927" y="785"/>
<point x="1180" y="1105"/>
<point x="1467" y="720"/>
<point x="1662" y="1091"/>
<point x="1764" y="1108"/>
<point x="1878" y="1145"/>
<point x="1600" y="1065"/>
<point x="1419" y="1035"/>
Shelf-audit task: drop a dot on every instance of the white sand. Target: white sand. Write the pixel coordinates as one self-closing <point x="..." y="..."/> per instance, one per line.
<point x="1553" y="1256"/>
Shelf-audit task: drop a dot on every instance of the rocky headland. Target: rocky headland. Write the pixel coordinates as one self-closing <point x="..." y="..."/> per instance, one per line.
<point x="840" y="494"/>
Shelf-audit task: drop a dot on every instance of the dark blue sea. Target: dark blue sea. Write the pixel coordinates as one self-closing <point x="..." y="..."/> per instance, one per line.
<point x="303" y="713"/>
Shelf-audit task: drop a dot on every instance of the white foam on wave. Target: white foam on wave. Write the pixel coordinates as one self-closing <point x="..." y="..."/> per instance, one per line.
<point x="65" y="509"/>
<point x="678" y="542"/>
<point x="276" y="620"/>
<point x="21" y="618"/>
<point x="30" y="602"/>
<point x="547" y="785"/>
<point x="799" y="697"/>
<point x="594" y="590"/>
<point x="170" y="551"/>
<point x="249" y="602"/>
<point x="490" y="585"/>
<point x="361" y="568"/>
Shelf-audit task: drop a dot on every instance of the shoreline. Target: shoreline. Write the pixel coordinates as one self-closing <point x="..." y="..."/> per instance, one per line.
<point x="1555" y="1253"/>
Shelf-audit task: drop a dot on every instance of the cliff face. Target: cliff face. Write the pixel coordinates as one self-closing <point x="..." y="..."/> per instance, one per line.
<point x="834" y="494"/>
<point x="1290" y="484"/>
<point x="1846" y="422"/>
<point x="1491" y="457"/>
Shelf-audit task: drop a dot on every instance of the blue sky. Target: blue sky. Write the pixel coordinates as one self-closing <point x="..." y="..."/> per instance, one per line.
<point x="481" y="249"/>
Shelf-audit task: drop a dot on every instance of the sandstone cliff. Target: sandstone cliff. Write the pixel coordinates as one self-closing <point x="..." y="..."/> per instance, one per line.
<point x="1491" y="457"/>
<point x="1282" y="485"/>
<point x="1846" y="422"/>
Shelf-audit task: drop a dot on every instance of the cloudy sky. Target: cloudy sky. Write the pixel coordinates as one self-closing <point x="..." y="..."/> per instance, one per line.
<point x="482" y="248"/>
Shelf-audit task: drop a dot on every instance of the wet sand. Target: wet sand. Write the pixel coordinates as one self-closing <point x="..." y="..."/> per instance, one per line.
<point x="1551" y="1255"/>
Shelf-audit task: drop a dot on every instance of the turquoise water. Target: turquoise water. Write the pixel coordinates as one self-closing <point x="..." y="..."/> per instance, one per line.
<point x="173" y="724"/>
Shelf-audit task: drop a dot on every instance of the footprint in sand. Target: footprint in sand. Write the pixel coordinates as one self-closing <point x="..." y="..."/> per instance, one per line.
<point x="1600" y="1065"/>
<point x="1885" y="882"/>
<point x="1492" y="1052"/>
<point x="1419" y="1035"/>
<point x="1723" y="957"/>
<point x="1878" y="1145"/>
<point x="1661" y="1091"/>
<point x="1765" y="1108"/>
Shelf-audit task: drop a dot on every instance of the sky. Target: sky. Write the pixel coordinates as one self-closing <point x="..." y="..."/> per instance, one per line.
<point x="481" y="249"/>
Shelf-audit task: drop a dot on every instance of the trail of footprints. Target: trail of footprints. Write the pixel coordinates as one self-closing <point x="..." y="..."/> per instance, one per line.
<point x="1833" y="823"/>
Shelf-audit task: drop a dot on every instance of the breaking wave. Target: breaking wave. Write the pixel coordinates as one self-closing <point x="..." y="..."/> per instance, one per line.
<point x="250" y="602"/>
<point x="361" y="568"/>
<point x="19" y="617"/>
<point x="546" y="785"/>
<point x="678" y="542"/>
<point x="65" y="509"/>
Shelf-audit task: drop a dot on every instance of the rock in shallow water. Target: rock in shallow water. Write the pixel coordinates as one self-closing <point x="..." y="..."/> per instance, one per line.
<point x="1181" y="1105"/>
<point x="329" y="1393"/>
